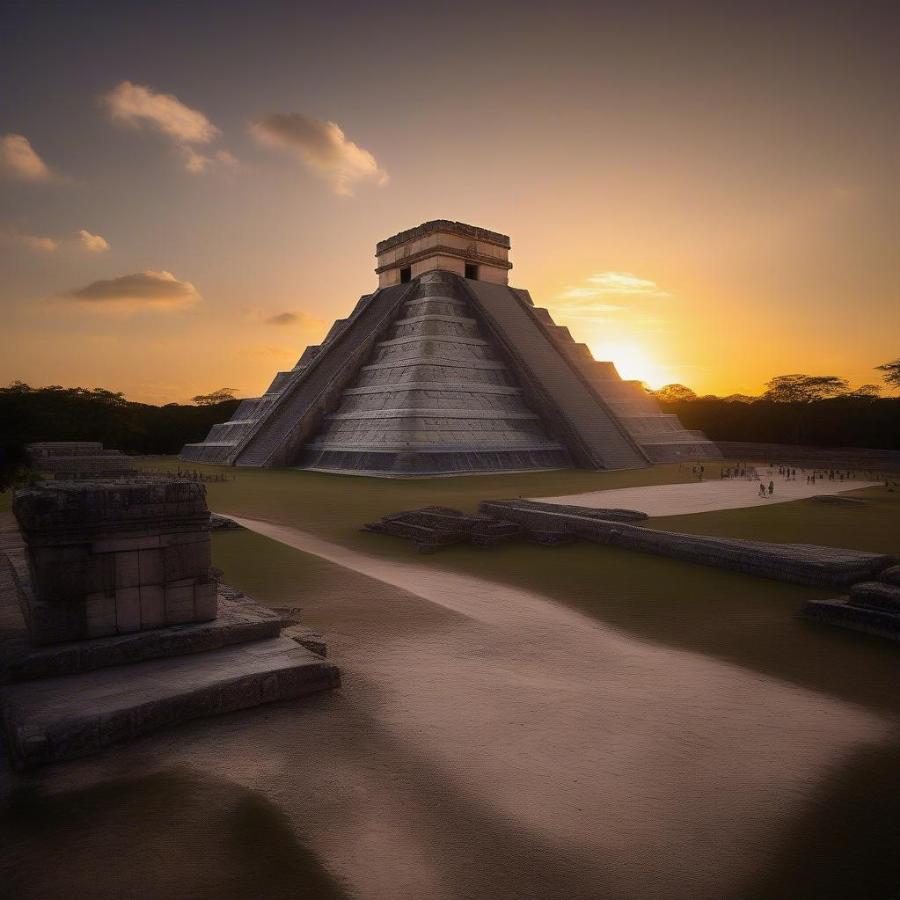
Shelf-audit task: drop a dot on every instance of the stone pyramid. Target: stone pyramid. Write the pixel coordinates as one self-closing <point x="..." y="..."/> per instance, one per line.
<point x="444" y="370"/>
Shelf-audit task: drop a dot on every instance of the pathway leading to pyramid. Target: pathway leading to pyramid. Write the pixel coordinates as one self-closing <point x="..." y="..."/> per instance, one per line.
<point x="572" y="734"/>
<point x="706" y="496"/>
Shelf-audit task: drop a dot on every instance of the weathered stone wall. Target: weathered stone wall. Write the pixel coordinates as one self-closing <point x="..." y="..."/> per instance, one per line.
<point x="116" y="557"/>
<point x="797" y="563"/>
<point x="79" y="459"/>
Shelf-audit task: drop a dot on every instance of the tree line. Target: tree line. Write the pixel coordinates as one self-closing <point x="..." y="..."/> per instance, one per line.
<point x="58" y="413"/>
<point x="820" y="410"/>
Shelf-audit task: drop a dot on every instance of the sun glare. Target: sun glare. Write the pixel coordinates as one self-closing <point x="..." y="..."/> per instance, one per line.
<point x="633" y="363"/>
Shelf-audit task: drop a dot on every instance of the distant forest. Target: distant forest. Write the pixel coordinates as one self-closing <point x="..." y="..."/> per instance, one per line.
<point x="796" y="409"/>
<point x="77" y="414"/>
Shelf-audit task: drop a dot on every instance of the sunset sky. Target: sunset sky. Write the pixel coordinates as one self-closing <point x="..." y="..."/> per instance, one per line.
<point x="191" y="192"/>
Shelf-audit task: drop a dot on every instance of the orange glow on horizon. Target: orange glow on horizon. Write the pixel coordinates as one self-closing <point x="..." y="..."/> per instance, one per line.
<point x="633" y="363"/>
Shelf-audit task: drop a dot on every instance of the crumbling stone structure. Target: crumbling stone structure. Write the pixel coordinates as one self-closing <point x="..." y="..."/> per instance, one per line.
<point x="809" y="564"/>
<point x="113" y="625"/>
<point x="871" y="606"/>
<point x="79" y="459"/>
<point x="115" y="557"/>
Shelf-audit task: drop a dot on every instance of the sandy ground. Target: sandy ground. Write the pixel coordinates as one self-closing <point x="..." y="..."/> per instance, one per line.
<point x="489" y="741"/>
<point x="706" y="496"/>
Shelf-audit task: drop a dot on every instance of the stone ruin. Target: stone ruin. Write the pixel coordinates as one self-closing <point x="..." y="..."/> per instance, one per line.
<point x="114" y="558"/>
<point x="433" y="527"/>
<point x="78" y="459"/>
<point x="551" y="523"/>
<point x="112" y="623"/>
<point x="870" y="606"/>
<point x="445" y="369"/>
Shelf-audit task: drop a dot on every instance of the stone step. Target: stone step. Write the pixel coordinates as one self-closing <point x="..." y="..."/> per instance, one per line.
<point x="876" y="595"/>
<point x="239" y="620"/>
<point x="55" y="719"/>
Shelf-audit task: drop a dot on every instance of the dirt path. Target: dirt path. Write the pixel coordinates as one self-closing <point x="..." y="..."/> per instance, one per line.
<point x="551" y="734"/>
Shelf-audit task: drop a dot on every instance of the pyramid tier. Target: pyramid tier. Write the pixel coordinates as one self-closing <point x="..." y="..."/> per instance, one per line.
<point x="434" y="397"/>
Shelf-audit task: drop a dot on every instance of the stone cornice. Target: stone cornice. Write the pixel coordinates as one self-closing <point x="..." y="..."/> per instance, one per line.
<point x="443" y="225"/>
<point x="441" y="250"/>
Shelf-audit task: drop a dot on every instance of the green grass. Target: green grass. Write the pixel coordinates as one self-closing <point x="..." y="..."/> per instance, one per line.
<point x="874" y="527"/>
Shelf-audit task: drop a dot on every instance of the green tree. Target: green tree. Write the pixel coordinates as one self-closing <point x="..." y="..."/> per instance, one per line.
<point x="219" y="396"/>
<point x="891" y="374"/>
<point x="804" y="388"/>
<point x="675" y="393"/>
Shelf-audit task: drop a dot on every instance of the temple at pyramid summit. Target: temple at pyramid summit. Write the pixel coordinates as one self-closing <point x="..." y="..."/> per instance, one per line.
<point x="444" y="370"/>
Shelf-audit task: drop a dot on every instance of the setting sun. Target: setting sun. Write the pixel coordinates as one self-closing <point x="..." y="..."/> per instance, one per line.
<point x="633" y="363"/>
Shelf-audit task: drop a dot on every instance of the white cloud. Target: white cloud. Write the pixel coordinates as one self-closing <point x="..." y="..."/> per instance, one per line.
<point x="139" y="106"/>
<point x="322" y="147"/>
<point x="149" y="289"/>
<point x="93" y="243"/>
<point x="20" y="160"/>
<point x="612" y="283"/>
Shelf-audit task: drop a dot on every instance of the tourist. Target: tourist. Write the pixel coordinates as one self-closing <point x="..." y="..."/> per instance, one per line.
<point x="771" y="488"/>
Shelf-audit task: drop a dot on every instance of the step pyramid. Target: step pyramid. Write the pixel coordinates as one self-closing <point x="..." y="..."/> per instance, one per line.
<point x="444" y="370"/>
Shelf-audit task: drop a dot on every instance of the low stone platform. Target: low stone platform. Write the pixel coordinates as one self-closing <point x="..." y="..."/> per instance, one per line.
<point x="838" y="611"/>
<point x="871" y="606"/>
<point x="239" y="620"/>
<point x="433" y="527"/>
<point x="54" y="719"/>
<point x="798" y="563"/>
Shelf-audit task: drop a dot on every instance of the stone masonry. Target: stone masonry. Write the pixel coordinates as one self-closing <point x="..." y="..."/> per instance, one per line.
<point x="79" y="459"/>
<point x="446" y="369"/>
<point x="115" y="557"/>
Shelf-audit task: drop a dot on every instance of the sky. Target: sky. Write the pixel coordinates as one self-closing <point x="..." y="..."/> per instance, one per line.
<point x="190" y="193"/>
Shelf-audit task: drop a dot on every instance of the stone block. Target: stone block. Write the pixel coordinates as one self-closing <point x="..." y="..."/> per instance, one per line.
<point x="128" y="609"/>
<point x="186" y="561"/>
<point x="114" y="545"/>
<point x="153" y="605"/>
<point x="102" y="573"/>
<point x="205" y="601"/>
<point x="100" y="614"/>
<point x="128" y="571"/>
<point x="179" y="603"/>
<point x="151" y="566"/>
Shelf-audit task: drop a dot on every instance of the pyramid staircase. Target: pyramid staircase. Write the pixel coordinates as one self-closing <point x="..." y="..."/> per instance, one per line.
<point x="434" y="397"/>
<point x="446" y="375"/>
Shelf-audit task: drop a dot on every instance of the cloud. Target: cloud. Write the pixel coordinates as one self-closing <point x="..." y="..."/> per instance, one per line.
<point x="285" y="318"/>
<point x="149" y="289"/>
<point x="93" y="243"/>
<point x="612" y="283"/>
<point x="19" y="160"/>
<point x="139" y="106"/>
<point x="322" y="147"/>
<point x="40" y="244"/>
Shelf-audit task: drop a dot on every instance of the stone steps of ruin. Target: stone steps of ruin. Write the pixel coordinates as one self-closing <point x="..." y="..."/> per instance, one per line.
<point x="54" y="719"/>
